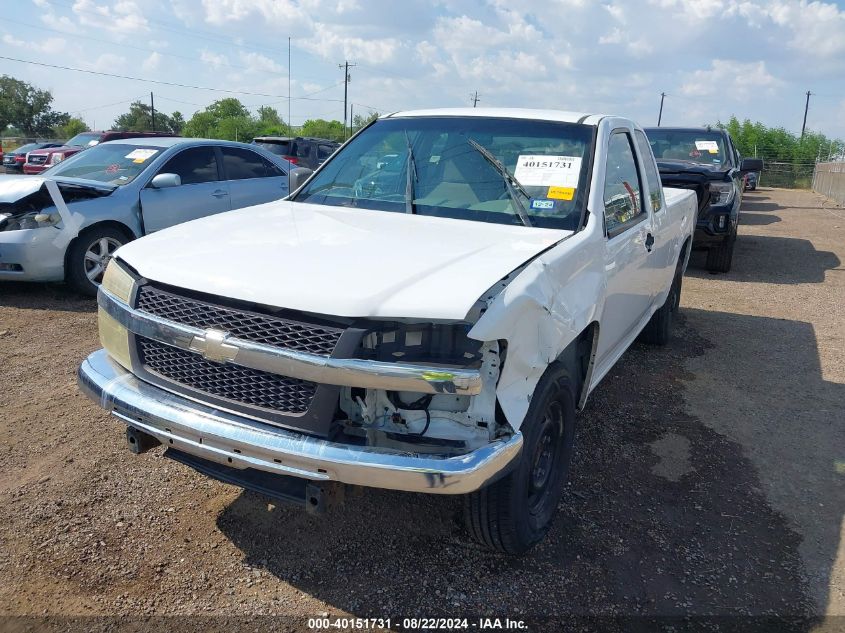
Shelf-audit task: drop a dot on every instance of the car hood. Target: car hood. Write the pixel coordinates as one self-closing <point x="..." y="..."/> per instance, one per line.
<point x="339" y="261"/>
<point x="17" y="187"/>
<point x="50" y="150"/>
<point x="711" y="172"/>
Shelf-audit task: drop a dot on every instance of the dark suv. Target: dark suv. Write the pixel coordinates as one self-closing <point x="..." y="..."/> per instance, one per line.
<point x="706" y="161"/>
<point x="302" y="151"/>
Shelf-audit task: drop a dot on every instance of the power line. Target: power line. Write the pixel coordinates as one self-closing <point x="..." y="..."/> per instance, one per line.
<point x="163" y="83"/>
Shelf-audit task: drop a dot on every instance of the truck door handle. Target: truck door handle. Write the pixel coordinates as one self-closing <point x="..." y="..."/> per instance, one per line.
<point x="649" y="242"/>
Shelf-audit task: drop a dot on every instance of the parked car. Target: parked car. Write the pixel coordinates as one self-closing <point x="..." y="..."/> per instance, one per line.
<point x="705" y="160"/>
<point x="302" y="151"/>
<point x="68" y="224"/>
<point x="39" y="160"/>
<point x="435" y="334"/>
<point x="751" y="180"/>
<point x="13" y="161"/>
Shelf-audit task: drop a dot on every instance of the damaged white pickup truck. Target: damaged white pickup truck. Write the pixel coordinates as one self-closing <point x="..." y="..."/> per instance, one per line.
<point x="425" y="313"/>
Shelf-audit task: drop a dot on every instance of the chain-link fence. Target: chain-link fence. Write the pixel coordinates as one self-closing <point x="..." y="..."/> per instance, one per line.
<point x="829" y="180"/>
<point x="786" y="175"/>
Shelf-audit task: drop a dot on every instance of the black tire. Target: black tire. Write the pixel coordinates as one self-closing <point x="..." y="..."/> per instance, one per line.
<point x="512" y="514"/>
<point x="719" y="259"/>
<point x="77" y="268"/>
<point x="659" y="328"/>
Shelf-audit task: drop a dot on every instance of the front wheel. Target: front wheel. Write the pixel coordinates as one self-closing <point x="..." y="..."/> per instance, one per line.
<point x="88" y="256"/>
<point x="514" y="513"/>
<point x="719" y="259"/>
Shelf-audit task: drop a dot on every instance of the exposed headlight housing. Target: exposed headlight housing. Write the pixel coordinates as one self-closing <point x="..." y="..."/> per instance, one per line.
<point x="722" y="192"/>
<point x="30" y="220"/>
<point x="113" y="336"/>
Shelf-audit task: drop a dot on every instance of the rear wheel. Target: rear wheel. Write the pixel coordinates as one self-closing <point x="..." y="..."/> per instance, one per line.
<point x="659" y="328"/>
<point x="719" y="259"/>
<point x="88" y="256"/>
<point x="513" y="514"/>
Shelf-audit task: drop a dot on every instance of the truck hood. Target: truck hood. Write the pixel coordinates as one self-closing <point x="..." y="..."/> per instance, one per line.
<point x="339" y="261"/>
<point x="711" y="172"/>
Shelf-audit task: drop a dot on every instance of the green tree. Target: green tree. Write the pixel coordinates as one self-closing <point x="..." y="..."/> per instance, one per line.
<point x="177" y="122"/>
<point x="28" y="108"/>
<point x="361" y="120"/>
<point x="139" y="119"/>
<point x="230" y="119"/>
<point x="271" y="124"/>
<point x="332" y="130"/>
<point x="73" y="127"/>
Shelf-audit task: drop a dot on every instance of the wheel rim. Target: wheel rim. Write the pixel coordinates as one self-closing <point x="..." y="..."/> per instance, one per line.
<point x="545" y="462"/>
<point x="97" y="256"/>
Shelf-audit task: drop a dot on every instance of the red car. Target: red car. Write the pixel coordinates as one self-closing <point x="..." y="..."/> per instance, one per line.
<point x="39" y="160"/>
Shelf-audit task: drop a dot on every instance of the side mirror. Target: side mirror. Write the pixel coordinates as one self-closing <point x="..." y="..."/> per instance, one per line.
<point x="298" y="175"/>
<point x="751" y="164"/>
<point x="163" y="181"/>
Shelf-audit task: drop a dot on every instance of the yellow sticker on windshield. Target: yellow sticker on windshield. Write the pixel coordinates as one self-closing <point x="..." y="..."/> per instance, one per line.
<point x="561" y="193"/>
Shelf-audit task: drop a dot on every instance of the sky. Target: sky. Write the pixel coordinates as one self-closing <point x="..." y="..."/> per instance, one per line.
<point x="754" y="59"/>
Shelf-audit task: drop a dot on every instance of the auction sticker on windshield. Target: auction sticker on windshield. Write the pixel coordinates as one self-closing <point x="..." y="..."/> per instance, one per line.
<point x="707" y="146"/>
<point x="140" y="155"/>
<point x="548" y="171"/>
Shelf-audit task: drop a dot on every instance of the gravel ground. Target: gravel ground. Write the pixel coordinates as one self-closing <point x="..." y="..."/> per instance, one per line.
<point x="708" y="478"/>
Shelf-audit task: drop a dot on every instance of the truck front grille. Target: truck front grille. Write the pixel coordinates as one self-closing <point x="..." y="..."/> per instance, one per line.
<point x="251" y="326"/>
<point x="242" y="385"/>
<point x="37" y="159"/>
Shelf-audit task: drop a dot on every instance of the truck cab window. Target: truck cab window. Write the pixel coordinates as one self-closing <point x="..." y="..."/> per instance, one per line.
<point x="651" y="176"/>
<point x="622" y="188"/>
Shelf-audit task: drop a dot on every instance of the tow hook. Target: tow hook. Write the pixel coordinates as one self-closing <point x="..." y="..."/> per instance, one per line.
<point x="138" y="441"/>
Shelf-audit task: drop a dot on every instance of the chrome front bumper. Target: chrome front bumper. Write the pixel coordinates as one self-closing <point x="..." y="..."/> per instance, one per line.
<point x="239" y="442"/>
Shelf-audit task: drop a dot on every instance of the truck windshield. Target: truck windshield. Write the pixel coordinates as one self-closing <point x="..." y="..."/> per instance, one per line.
<point x="450" y="177"/>
<point x="706" y="148"/>
<point x="117" y="164"/>
<point x="85" y="139"/>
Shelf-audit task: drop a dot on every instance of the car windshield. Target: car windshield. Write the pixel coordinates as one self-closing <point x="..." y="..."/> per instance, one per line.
<point x="85" y="139"/>
<point x="279" y="148"/>
<point x="707" y="148"/>
<point x="28" y="147"/>
<point x="118" y="164"/>
<point x="472" y="168"/>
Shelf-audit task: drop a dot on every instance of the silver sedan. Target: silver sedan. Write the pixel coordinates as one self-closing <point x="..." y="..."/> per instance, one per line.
<point x="67" y="223"/>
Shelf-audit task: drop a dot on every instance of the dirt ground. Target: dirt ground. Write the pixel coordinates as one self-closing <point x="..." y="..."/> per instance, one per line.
<point x="709" y="477"/>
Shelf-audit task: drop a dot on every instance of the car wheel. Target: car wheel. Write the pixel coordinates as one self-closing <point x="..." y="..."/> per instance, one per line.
<point x="88" y="256"/>
<point x="515" y="512"/>
<point x="719" y="259"/>
<point x="659" y="328"/>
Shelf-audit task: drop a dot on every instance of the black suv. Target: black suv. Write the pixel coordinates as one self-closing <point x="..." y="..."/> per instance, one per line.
<point x="706" y="161"/>
<point x="302" y="151"/>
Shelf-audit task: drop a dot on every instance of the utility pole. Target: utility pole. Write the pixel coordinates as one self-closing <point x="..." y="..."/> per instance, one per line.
<point x="152" y="112"/>
<point x="346" y="78"/>
<point x="475" y="99"/>
<point x="806" y="107"/>
<point x="351" y="117"/>
<point x="289" y="121"/>
<point x="660" y="115"/>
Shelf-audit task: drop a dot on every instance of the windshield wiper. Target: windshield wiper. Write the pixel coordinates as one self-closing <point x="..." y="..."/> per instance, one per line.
<point x="510" y="182"/>
<point x="411" y="170"/>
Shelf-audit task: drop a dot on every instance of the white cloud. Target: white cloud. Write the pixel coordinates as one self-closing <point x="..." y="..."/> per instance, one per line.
<point x="50" y="46"/>
<point x="817" y="28"/>
<point x="214" y="60"/>
<point x="123" y="17"/>
<point x="108" y="62"/>
<point x="730" y="77"/>
<point x="151" y="63"/>
<point x="258" y="62"/>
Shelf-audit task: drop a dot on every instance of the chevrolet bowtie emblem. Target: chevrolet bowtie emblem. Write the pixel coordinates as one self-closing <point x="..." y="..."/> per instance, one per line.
<point x="212" y="345"/>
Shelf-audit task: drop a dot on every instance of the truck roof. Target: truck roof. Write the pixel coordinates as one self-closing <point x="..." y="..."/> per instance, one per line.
<point x="508" y="113"/>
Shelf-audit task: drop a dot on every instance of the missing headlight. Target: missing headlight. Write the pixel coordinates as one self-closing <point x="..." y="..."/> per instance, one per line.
<point x="446" y="344"/>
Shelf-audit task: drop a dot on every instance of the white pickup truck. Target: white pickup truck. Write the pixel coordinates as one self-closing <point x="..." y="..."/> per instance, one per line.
<point x="425" y="313"/>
